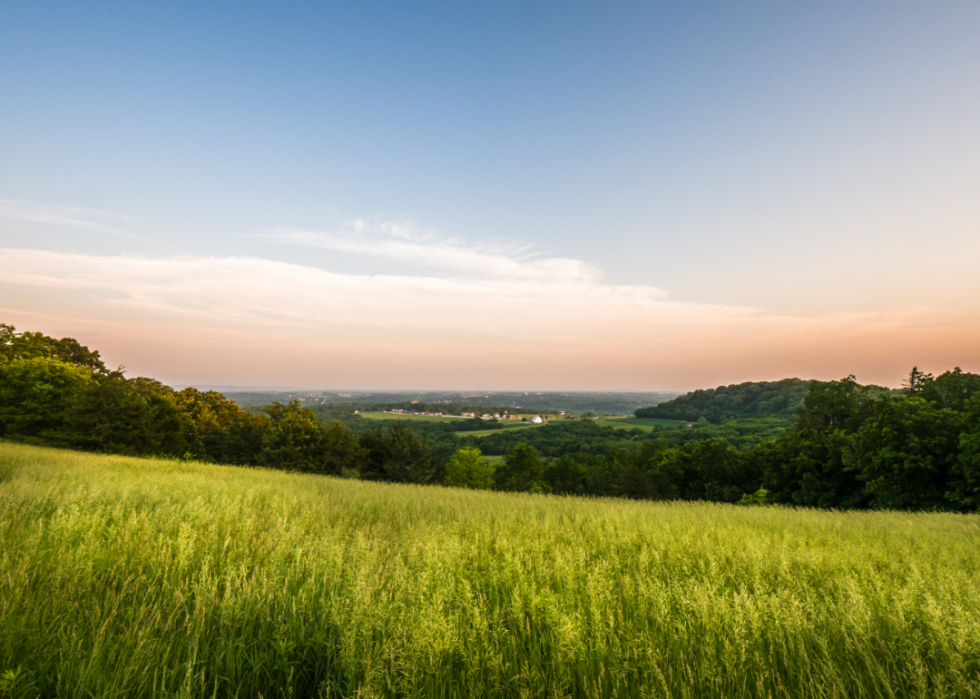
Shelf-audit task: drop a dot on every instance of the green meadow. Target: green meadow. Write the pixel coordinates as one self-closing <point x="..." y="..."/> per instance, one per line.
<point x="632" y="423"/>
<point x="379" y="415"/>
<point x="511" y="426"/>
<point x="503" y="424"/>
<point x="132" y="577"/>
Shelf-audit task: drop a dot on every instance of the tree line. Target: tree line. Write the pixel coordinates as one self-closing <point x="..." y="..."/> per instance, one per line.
<point x="849" y="446"/>
<point x="752" y="399"/>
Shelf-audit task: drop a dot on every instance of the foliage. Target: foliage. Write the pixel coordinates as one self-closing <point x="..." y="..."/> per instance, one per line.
<point x="34" y="391"/>
<point x="294" y="440"/>
<point x="759" y="497"/>
<point x="522" y="471"/>
<point x="109" y="415"/>
<point x="468" y="469"/>
<point x="15" y="346"/>
<point x="836" y="405"/>
<point x="951" y="389"/>
<point x="401" y="456"/>
<point x="905" y="452"/>
<point x="752" y="399"/>
<point x="964" y="485"/>
<point x="810" y="469"/>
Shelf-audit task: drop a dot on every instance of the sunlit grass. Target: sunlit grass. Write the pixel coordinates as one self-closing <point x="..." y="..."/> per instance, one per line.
<point x="130" y="577"/>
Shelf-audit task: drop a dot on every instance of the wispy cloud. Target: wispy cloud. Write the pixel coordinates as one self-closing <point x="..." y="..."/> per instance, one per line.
<point x="250" y="320"/>
<point x="252" y="290"/>
<point x="269" y="293"/>
<point x="476" y="312"/>
<point x="408" y="243"/>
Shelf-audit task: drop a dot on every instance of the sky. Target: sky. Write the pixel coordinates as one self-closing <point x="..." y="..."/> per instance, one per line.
<point x="535" y="195"/>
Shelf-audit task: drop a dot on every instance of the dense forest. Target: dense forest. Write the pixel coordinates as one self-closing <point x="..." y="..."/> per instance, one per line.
<point x="845" y="446"/>
<point x="774" y="399"/>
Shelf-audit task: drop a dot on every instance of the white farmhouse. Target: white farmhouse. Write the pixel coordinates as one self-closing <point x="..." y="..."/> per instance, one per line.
<point x="536" y="420"/>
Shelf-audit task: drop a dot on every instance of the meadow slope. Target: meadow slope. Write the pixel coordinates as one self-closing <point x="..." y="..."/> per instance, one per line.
<point x="139" y="578"/>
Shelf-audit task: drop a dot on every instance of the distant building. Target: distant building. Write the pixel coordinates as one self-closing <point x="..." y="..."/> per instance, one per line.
<point x="537" y="420"/>
<point x="689" y="424"/>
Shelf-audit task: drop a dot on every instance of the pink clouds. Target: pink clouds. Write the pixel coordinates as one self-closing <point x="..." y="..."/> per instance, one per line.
<point x="521" y="323"/>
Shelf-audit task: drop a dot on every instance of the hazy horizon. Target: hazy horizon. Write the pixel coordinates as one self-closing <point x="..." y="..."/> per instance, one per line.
<point x="569" y="196"/>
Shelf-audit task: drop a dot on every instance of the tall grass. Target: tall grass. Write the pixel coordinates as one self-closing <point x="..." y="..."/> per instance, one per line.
<point x="137" y="578"/>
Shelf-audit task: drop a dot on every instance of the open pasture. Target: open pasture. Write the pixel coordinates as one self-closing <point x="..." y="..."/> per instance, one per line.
<point x="632" y="423"/>
<point x="378" y="415"/>
<point x="141" y="578"/>
<point x="508" y="426"/>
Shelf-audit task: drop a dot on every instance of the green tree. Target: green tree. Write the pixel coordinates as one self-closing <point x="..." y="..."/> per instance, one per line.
<point x="29" y="345"/>
<point x="294" y="440"/>
<point x="951" y="389"/>
<point x="916" y="381"/>
<point x="400" y="456"/>
<point x="522" y="471"/>
<point x="569" y="474"/>
<point x="35" y="393"/>
<point x="240" y="442"/>
<point x="964" y="483"/>
<point x="111" y="415"/>
<point x="468" y="469"/>
<point x="905" y="453"/>
<point x="835" y="405"/>
<point x="340" y="449"/>
<point x="759" y="497"/>
<point x="705" y="470"/>
<point x="210" y="410"/>
<point x="810" y="469"/>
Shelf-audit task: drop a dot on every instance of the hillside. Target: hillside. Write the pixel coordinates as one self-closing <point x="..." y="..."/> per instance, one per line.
<point x="781" y="399"/>
<point x="139" y="578"/>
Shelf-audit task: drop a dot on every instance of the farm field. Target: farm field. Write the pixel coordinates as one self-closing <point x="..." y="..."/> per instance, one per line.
<point x="632" y="423"/>
<point x="134" y="577"/>
<point x="375" y="415"/>
<point x="378" y="415"/>
<point x="513" y="426"/>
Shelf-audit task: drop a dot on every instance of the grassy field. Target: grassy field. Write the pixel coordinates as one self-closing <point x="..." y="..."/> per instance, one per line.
<point x="142" y="578"/>
<point x="377" y="415"/>
<point x="433" y="418"/>
<point x="511" y="426"/>
<point x="504" y="424"/>
<point x="633" y="423"/>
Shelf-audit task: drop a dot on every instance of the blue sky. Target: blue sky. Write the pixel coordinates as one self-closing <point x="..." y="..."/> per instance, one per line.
<point x="814" y="165"/>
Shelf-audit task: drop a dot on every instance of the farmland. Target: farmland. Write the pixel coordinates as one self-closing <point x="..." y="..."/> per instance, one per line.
<point x="146" y="577"/>
<point x="408" y="417"/>
<point x="633" y="423"/>
<point x="510" y="426"/>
